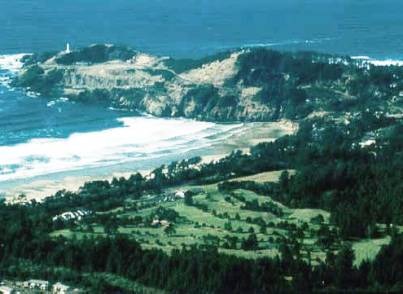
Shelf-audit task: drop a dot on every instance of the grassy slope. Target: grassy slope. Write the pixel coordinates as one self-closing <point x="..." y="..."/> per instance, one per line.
<point x="196" y="226"/>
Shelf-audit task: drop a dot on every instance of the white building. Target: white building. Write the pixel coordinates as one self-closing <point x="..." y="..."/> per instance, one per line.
<point x="180" y="194"/>
<point x="60" y="288"/>
<point x="164" y="223"/>
<point x="37" y="285"/>
<point x="157" y="223"/>
<point x="72" y="215"/>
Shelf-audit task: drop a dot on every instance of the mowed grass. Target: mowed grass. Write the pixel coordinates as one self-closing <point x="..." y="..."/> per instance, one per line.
<point x="217" y="216"/>
<point x="196" y="215"/>
<point x="306" y="214"/>
<point x="272" y="176"/>
<point x="195" y="225"/>
<point x="368" y="249"/>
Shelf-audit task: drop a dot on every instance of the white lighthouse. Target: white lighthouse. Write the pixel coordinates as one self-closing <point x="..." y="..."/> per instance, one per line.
<point x="67" y="48"/>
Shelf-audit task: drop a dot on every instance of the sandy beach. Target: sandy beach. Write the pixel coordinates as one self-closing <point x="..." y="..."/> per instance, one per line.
<point x="251" y="135"/>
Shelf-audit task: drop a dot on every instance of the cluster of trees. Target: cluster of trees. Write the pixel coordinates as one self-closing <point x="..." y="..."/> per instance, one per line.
<point x="295" y="84"/>
<point x="182" y="65"/>
<point x="96" y="54"/>
<point x="39" y="81"/>
<point x="359" y="186"/>
<point x="281" y="75"/>
<point x="262" y="65"/>
<point x="265" y="206"/>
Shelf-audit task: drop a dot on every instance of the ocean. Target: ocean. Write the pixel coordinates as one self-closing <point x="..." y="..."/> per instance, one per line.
<point x="49" y="137"/>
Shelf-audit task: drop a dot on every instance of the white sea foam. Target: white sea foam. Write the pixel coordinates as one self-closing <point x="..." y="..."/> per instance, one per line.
<point x="32" y="94"/>
<point x="53" y="103"/>
<point x="289" y="42"/>
<point x="378" y="62"/>
<point x="139" y="138"/>
<point x="12" y="63"/>
<point x="9" y="66"/>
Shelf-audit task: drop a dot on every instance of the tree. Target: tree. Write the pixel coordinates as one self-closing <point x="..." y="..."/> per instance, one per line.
<point x="325" y="236"/>
<point x="111" y="227"/>
<point x="251" y="243"/>
<point x="287" y="257"/>
<point x="228" y="226"/>
<point x="344" y="267"/>
<point x="170" y="230"/>
<point x="188" y="199"/>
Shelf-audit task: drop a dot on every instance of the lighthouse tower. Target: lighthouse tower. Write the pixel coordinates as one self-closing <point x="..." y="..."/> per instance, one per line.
<point x="67" y="48"/>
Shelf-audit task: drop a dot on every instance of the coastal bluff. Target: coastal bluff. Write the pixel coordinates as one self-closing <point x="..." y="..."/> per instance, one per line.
<point x="254" y="84"/>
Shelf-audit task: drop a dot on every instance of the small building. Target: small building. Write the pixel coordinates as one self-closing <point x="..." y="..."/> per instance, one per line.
<point x="155" y="222"/>
<point x="164" y="223"/>
<point x="60" y="288"/>
<point x="366" y="143"/>
<point x="180" y="194"/>
<point x="158" y="223"/>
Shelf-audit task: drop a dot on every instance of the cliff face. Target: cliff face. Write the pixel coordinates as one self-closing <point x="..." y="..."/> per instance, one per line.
<point x="252" y="85"/>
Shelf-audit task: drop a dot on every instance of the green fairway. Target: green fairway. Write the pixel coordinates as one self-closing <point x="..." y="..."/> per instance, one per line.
<point x="224" y="220"/>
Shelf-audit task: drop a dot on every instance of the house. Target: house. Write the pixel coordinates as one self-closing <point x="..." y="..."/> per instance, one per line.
<point x="6" y="290"/>
<point x="37" y="285"/>
<point x="157" y="223"/>
<point x="164" y="223"/>
<point x="180" y="194"/>
<point x="366" y="143"/>
<point x="60" y="288"/>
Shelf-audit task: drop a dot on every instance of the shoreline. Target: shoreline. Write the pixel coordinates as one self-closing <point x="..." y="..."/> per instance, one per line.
<point x="252" y="134"/>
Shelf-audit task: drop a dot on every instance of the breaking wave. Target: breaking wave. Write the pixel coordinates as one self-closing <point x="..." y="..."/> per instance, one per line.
<point x="378" y="62"/>
<point x="140" y="138"/>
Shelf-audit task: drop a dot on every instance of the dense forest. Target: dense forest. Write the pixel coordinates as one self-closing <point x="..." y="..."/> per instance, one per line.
<point x="359" y="185"/>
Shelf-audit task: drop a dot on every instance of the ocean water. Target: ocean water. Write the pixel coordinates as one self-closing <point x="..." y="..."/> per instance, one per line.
<point x="198" y="27"/>
<point x="44" y="136"/>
